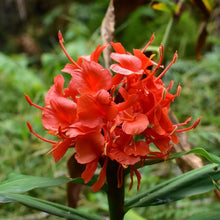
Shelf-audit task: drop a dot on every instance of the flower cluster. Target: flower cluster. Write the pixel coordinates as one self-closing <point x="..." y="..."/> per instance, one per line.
<point x="106" y="116"/>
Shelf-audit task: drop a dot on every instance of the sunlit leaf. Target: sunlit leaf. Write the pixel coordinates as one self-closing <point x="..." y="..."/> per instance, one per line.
<point x="131" y="215"/>
<point x="208" y="4"/>
<point x="167" y="7"/>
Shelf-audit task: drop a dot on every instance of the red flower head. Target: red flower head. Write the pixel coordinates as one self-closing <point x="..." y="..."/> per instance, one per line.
<point x="105" y="117"/>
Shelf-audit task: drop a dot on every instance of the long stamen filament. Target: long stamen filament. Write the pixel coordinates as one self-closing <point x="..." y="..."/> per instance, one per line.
<point x="191" y="127"/>
<point x="160" y="61"/>
<point x="38" y="136"/>
<point x="171" y="63"/>
<point x="185" y="122"/>
<point x="31" y="103"/>
<point x="60" y="37"/>
<point x="150" y="42"/>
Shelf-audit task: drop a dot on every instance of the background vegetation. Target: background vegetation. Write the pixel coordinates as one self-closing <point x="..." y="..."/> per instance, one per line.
<point x="30" y="57"/>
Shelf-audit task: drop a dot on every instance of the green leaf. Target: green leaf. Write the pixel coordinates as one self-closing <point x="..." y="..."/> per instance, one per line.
<point x="131" y="215"/>
<point x="17" y="183"/>
<point x="52" y="208"/>
<point x="209" y="156"/>
<point x="191" y="183"/>
<point x="205" y="216"/>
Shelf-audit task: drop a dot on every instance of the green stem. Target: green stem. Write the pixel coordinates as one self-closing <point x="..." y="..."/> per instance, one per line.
<point x="115" y="194"/>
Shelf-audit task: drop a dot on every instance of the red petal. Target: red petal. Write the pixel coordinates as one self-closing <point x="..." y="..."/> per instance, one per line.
<point x="140" y="148"/>
<point x="69" y="68"/>
<point x="162" y="143"/>
<point x="116" y="153"/>
<point x="88" y="111"/>
<point x="95" y="77"/>
<point x="89" y="147"/>
<point x="144" y="59"/>
<point x="95" y="54"/>
<point x="138" y="175"/>
<point x="138" y="125"/>
<point x="120" y="70"/>
<point x="102" y="176"/>
<point x="90" y="170"/>
<point x="60" y="149"/>
<point x="107" y="108"/>
<point x="128" y="103"/>
<point x="56" y="90"/>
<point x="61" y="113"/>
<point x="127" y="62"/>
<point x="118" y="48"/>
<point x="90" y="78"/>
<point x="117" y="78"/>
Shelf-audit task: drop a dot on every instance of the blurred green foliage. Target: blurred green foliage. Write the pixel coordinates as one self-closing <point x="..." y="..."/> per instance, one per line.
<point x="80" y="25"/>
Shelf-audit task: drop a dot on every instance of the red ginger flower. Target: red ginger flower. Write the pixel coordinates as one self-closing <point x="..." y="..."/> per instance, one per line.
<point x="107" y="117"/>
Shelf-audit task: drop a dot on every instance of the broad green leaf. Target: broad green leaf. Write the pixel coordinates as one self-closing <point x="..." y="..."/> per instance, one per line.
<point x="191" y="183"/>
<point x="52" y="208"/>
<point x="205" y="216"/>
<point x="17" y="183"/>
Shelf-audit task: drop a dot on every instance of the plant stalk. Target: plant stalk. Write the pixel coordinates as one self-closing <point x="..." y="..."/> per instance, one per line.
<point x="115" y="194"/>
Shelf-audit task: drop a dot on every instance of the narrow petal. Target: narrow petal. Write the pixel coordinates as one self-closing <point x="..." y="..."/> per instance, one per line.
<point x="102" y="176"/>
<point x="138" y="175"/>
<point x="59" y="149"/>
<point x="144" y="59"/>
<point x="118" y="48"/>
<point x="90" y="170"/>
<point x="95" y="54"/>
<point x="56" y="90"/>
